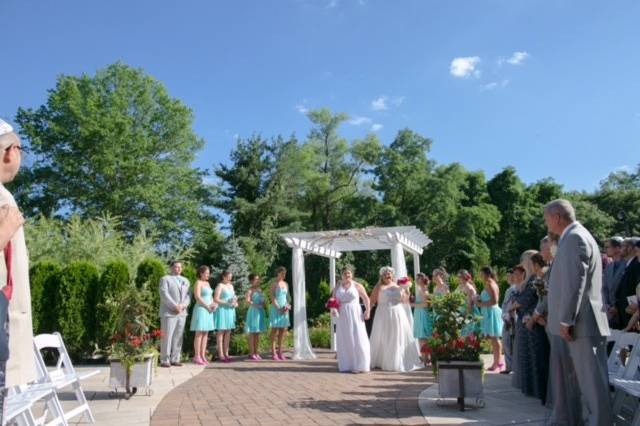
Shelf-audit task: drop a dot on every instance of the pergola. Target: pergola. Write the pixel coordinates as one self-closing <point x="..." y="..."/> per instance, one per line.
<point x="331" y="244"/>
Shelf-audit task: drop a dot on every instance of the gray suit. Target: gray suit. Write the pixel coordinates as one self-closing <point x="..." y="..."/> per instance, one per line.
<point x="575" y="299"/>
<point x="174" y="290"/>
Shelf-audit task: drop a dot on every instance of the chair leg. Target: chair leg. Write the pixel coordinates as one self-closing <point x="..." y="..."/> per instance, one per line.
<point x="55" y="408"/>
<point x="88" y="415"/>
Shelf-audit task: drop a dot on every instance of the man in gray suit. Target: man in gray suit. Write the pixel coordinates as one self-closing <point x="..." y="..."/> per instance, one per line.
<point x="576" y="314"/>
<point x="174" y="301"/>
<point x="612" y="276"/>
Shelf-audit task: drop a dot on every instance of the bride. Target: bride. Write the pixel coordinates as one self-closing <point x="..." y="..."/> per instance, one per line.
<point x="393" y="347"/>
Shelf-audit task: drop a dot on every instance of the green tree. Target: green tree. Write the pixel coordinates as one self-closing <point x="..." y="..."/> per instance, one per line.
<point x="619" y="197"/>
<point x="115" y="143"/>
<point x="234" y="261"/>
<point x="44" y="278"/>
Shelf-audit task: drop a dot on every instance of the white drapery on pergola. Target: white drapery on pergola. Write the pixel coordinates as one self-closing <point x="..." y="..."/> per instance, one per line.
<point x="331" y="244"/>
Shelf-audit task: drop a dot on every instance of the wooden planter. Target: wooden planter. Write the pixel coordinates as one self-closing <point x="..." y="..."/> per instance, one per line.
<point x="461" y="379"/>
<point x="141" y="376"/>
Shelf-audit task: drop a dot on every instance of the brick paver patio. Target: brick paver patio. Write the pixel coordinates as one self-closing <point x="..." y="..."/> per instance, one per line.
<point x="294" y="393"/>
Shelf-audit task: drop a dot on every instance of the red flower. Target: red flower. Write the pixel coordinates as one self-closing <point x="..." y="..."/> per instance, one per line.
<point x="156" y="333"/>
<point x="332" y="303"/>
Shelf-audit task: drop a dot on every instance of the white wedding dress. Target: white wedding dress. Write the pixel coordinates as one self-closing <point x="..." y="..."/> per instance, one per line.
<point x="393" y="347"/>
<point x="352" y="342"/>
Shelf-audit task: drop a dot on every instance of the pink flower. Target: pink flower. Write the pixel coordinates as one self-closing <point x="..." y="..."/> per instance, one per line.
<point x="404" y="281"/>
<point x="332" y="303"/>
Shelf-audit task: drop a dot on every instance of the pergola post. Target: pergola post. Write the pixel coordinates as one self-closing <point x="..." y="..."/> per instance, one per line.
<point x="332" y="285"/>
<point x="301" y="343"/>
<point x="416" y="265"/>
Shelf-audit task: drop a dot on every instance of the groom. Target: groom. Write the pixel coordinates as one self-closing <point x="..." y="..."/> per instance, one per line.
<point x="174" y="301"/>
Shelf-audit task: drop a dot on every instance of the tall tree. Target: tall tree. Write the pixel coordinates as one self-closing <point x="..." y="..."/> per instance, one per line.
<point x="115" y="143"/>
<point x="619" y="197"/>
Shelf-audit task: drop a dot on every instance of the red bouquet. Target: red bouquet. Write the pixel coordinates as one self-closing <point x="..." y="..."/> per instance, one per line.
<point x="404" y="281"/>
<point x="333" y="305"/>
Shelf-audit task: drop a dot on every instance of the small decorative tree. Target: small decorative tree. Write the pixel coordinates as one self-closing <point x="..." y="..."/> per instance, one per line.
<point x="446" y="343"/>
<point x="234" y="261"/>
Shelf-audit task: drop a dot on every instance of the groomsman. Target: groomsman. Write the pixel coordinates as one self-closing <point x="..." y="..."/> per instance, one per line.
<point x="629" y="280"/>
<point x="174" y="301"/>
<point x="576" y="318"/>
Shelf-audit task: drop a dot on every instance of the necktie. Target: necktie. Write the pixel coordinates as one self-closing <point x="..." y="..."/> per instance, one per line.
<point x="8" y="255"/>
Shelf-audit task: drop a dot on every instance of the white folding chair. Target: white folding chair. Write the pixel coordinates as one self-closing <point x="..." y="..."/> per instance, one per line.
<point x="19" y="403"/>
<point x="626" y="380"/>
<point x="63" y="375"/>
<point x="615" y="363"/>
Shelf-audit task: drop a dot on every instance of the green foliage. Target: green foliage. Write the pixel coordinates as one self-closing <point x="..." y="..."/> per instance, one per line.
<point x="238" y="345"/>
<point x="114" y="285"/>
<point x="115" y="142"/>
<point x="97" y="241"/>
<point x="44" y="279"/>
<point x="320" y="337"/>
<point x="148" y="276"/>
<point x="76" y="306"/>
<point x="132" y="337"/>
<point x="315" y="303"/>
<point x="234" y="261"/>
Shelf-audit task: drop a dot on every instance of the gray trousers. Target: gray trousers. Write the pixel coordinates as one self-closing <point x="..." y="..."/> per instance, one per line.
<point x="507" y="347"/>
<point x="567" y="406"/>
<point x="171" y="342"/>
<point x="589" y="357"/>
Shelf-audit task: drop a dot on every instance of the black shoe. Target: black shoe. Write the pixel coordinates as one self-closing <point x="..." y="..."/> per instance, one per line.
<point x="165" y="365"/>
<point x="177" y="364"/>
<point x="505" y="372"/>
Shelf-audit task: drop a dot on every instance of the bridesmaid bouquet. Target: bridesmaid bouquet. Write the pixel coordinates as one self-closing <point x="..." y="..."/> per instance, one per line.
<point x="333" y="305"/>
<point x="404" y="282"/>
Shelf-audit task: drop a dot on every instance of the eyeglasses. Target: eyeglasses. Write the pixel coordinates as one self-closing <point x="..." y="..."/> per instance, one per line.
<point x="18" y="147"/>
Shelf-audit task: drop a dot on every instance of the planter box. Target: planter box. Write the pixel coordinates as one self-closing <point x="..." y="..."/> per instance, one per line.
<point x="141" y="375"/>
<point x="460" y="379"/>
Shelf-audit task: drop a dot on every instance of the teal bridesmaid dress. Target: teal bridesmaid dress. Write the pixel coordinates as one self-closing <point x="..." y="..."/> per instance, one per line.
<point x="491" y="323"/>
<point x="225" y="316"/>
<point x="422" y="320"/>
<point x="201" y="318"/>
<point x="256" y="321"/>
<point x="277" y="318"/>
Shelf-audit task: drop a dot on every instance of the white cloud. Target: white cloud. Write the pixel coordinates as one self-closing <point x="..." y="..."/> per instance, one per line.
<point x="379" y="104"/>
<point x="302" y="109"/>
<point x="517" y="58"/>
<point x="357" y="120"/>
<point x="494" y="85"/>
<point x="465" y="67"/>
<point x="376" y="127"/>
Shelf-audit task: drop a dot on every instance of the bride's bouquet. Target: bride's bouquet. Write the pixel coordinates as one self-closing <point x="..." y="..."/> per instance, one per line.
<point x="404" y="282"/>
<point x="333" y="305"/>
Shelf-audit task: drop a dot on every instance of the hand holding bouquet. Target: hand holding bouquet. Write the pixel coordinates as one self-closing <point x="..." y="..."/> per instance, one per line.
<point x="404" y="282"/>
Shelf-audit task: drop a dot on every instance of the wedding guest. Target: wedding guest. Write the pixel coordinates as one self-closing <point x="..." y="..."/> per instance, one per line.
<point x="538" y="342"/>
<point x="548" y="246"/>
<point x="611" y="278"/>
<point x="279" y="313"/>
<point x="422" y="316"/>
<point x="467" y="287"/>
<point x="440" y="278"/>
<point x="174" y="301"/>
<point x="202" y="315"/>
<point x="532" y="346"/>
<point x="628" y="282"/>
<point x="491" y="323"/>
<point x="256" y="321"/>
<point x="393" y="347"/>
<point x="225" y="314"/>
<point x="508" y="317"/>
<point x="519" y="275"/>
<point x="352" y="342"/>
<point x="576" y="316"/>
<point x="16" y="350"/>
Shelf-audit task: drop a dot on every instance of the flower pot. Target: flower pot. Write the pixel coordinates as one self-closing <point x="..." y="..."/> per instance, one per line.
<point x="140" y="376"/>
<point x="460" y="379"/>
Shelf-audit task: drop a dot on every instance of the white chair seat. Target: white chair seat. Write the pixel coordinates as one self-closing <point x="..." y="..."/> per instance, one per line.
<point x="632" y="387"/>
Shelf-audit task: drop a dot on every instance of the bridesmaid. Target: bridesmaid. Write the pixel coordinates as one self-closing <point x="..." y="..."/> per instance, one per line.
<point x="491" y="323"/>
<point x="440" y="279"/>
<point x="256" y="322"/>
<point x="354" y="352"/>
<point x="422" y="318"/>
<point x="202" y="316"/>
<point x="225" y="315"/>
<point x="468" y="288"/>
<point x="279" y="313"/>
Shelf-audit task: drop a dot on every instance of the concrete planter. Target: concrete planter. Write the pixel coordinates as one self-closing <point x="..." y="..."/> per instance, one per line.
<point x="460" y="379"/>
<point x="141" y="376"/>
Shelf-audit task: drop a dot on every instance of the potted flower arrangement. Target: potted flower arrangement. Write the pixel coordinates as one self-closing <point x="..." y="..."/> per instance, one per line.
<point x="133" y="352"/>
<point x="455" y="358"/>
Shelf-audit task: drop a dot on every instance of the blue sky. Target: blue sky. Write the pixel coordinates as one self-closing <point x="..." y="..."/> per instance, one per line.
<point x="549" y="87"/>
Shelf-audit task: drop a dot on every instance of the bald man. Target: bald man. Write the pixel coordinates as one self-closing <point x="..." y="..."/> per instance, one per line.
<point x="20" y="367"/>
